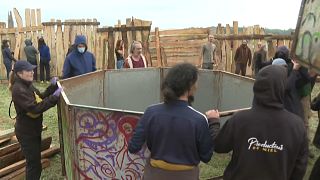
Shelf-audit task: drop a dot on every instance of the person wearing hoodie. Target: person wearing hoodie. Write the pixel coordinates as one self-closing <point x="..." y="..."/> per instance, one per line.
<point x="315" y="106"/>
<point x="30" y="104"/>
<point x="7" y="56"/>
<point x="80" y="60"/>
<point x="178" y="136"/>
<point x="242" y="58"/>
<point x="267" y="141"/>
<point x="31" y="53"/>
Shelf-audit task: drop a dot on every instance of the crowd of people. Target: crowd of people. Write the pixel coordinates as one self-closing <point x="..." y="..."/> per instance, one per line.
<point x="269" y="141"/>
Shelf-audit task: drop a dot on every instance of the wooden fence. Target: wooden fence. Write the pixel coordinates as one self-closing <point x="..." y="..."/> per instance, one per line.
<point x="161" y="48"/>
<point x="184" y="45"/>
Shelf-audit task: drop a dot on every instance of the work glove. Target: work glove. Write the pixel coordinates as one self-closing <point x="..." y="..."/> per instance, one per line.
<point x="57" y="92"/>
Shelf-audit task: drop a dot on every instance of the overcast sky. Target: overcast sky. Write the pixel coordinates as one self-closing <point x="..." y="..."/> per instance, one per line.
<point x="166" y="14"/>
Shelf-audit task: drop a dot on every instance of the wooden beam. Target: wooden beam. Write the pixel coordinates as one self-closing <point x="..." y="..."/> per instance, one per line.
<point x="10" y="132"/>
<point x="126" y="28"/>
<point x="8" y="149"/>
<point x="20" y="173"/>
<point x="5" y="140"/>
<point x="157" y="42"/>
<point x="71" y="23"/>
<point x="18" y="155"/>
<point x="111" y="59"/>
<point x="253" y="36"/>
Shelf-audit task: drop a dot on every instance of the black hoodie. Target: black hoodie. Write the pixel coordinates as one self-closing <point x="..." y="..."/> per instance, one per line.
<point x="267" y="141"/>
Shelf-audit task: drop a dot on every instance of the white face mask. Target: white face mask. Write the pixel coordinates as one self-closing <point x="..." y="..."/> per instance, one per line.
<point x="81" y="49"/>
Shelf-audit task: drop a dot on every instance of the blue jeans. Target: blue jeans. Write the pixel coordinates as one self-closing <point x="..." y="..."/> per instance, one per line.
<point x="8" y="65"/>
<point x="120" y="64"/>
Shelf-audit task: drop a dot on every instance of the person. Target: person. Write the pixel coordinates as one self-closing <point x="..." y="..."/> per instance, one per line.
<point x="31" y="54"/>
<point x="44" y="59"/>
<point x="242" y="58"/>
<point x="267" y="141"/>
<point x="177" y="135"/>
<point x="7" y="56"/>
<point x="30" y="104"/>
<point x="208" y="54"/>
<point x="136" y="59"/>
<point x="259" y="57"/>
<point x="315" y="106"/>
<point x="80" y="60"/>
<point x="119" y="50"/>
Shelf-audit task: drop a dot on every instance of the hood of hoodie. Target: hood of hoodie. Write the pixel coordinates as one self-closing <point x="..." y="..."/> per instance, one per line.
<point x="28" y="42"/>
<point x="80" y="39"/>
<point x="269" y="87"/>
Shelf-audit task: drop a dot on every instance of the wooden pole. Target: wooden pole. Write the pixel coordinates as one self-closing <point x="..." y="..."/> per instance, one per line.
<point x="235" y="44"/>
<point x="159" y="60"/>
<point x="228" y="50"/>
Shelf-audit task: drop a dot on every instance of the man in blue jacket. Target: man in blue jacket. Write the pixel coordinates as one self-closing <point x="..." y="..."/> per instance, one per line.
<point x="79" y="61"/>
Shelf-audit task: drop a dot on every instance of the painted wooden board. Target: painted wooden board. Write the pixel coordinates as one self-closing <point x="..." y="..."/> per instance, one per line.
<point x="306" y="45"/>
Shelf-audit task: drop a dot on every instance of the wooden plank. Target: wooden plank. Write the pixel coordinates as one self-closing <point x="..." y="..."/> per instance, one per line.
<point x="129" y="34"/>
<point x="183" y="31"/>
<point x="193" y="43"/>
<point x="117" y="36"/>
<point x="10" y="20"/>
<point x="228" y="50"/>
<point x="33" y="18"/>
<point x="20" y="173"/>
<point x="94" y="34"/>
<point x="89" y="36"/>
<point x="111" y="60"/>
<point x="72" y="23"/>
<point x="157" y="44"/>
<point x="27" y="17"/>
<point x="17" y="48"/>
<point x="3" y="141"/>
<point x="66" y="38"/>
<point x="8" y="149"/>
<point x="145" y="42"/>
<point x="53" y="61"/>
<point x="39" y="18"/>
<point x="18" y="18"/>
<point x="130" y="28"/>
<point x="125" y="40"/>
<point x="17" y="155"/>
<point x="20" y="30"/>
<point x="182" y="37"/>
<point x="83" y="28"/>
<point x="253" y="36"/>
<point x="59" y="50"/>
<point x="13" y="167"/>
<point x="9" y="133"/>
<point x="235" y="44"/>
<point x="137" y="23"/>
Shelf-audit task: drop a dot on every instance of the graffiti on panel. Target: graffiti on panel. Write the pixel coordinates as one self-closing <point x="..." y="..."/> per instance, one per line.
<point x="102" y="142"/>
<point x="307" y="48"/>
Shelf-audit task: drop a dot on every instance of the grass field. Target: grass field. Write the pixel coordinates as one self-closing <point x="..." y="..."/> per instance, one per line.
<point x="214" y="168"/>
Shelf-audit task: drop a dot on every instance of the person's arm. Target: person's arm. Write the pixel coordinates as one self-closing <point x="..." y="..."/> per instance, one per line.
<point x="93" y="63"/>
<point x="224" y="141"/>
<point x="126" y="64"/>
<point x="49" y="55"/>
<point x="237" y="54"/>
<point x="139" y="135"/>
<point x="9" y="54"/>
<point x="200" y="61"/>
<point x="49" y="91"/>
<point x="29" y="104"/>
<point x="66" y="69"/>
<point x="204" y="141"/>
<point x="250" y="57"/>
<point x="315" y="104"/>
<point x="301" y="162"/>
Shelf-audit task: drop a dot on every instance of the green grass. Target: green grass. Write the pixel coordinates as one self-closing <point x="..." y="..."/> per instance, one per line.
<point x="214" y="168"/>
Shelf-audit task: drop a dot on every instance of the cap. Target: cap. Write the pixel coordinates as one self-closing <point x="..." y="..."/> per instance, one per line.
<point x="279" y="61"/>
<point x="23" y="65"/>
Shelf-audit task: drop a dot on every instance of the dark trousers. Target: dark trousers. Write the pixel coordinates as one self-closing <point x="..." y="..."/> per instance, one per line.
<point x="207" y="66"/>
<point x="31" y="149"/>
<point x="315" y="173"/>
<point x="8" y="65"/>
<point x="241" y="67"/>
<point x="44" y="66"/>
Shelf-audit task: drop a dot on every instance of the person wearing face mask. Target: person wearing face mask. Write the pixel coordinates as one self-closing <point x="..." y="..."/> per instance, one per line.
<point x="136" y="59"/>
<point x="30" y="104"/>
<point x="177" y="135"/>
<point x="80" y="60"/>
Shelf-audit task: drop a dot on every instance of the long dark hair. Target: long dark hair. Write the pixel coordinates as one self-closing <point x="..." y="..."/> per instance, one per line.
<point x="118" y="44"/>
<point x="178" y="81"/>
<point x="4" y="44"/>
<point x="41" y="43"/>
